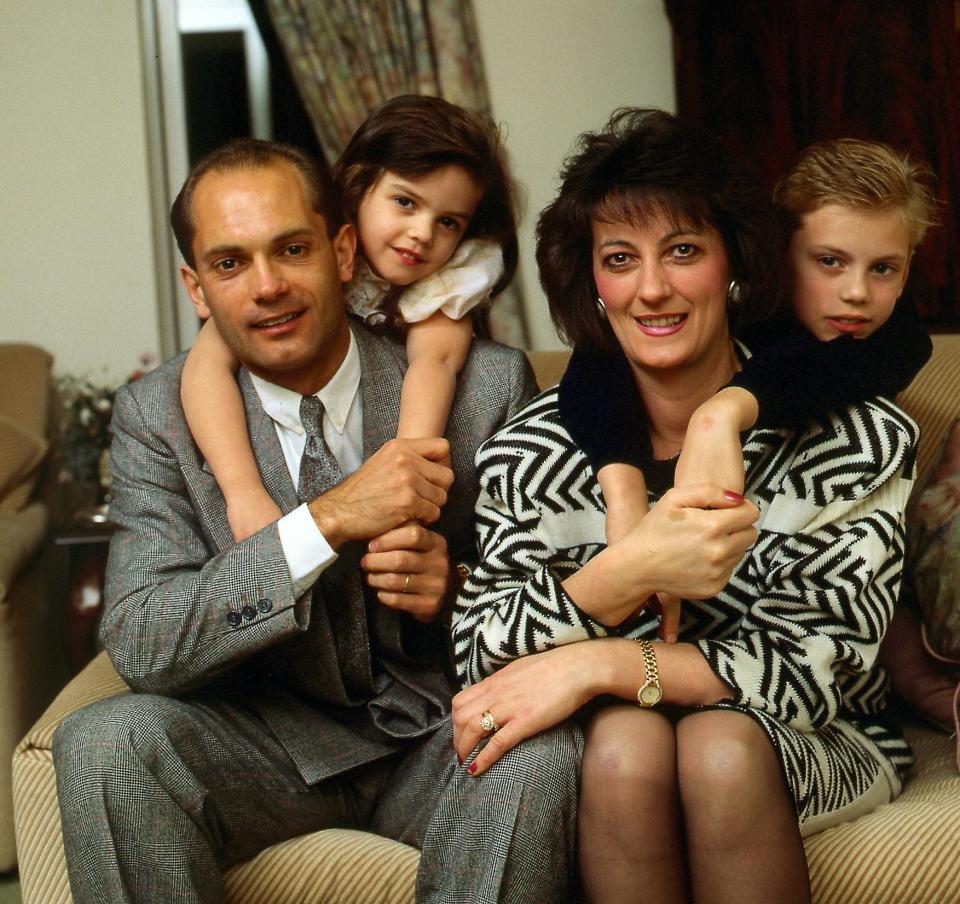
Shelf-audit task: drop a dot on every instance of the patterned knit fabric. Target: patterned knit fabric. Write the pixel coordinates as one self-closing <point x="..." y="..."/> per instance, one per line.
<point x="795" y="632"/>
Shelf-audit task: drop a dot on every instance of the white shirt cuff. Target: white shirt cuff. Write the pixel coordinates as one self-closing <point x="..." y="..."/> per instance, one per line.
<point x="306" y="550"/>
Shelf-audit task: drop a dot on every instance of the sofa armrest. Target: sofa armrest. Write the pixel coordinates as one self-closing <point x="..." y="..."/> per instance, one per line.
<point x="21" y="534"/>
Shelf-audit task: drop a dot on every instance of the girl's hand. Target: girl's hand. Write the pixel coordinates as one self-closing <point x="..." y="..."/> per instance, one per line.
<point x="528" y="696"/>
<point x="250" y="511"/>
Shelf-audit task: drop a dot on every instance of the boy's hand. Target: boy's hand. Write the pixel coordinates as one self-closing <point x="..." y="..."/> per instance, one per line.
<point x="250" y="511"/>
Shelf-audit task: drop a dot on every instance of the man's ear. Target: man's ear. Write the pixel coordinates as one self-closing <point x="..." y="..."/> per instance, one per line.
<point x="195" y="291"/>
<point x="345" y="248"/>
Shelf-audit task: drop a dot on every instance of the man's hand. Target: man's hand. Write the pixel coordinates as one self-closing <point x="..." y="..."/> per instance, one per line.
<point x="402" y="481"/>
<point x="409" y="568"/>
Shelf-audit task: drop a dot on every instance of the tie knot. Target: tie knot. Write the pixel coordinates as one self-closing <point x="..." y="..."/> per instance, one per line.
<point x="311" y="415"/>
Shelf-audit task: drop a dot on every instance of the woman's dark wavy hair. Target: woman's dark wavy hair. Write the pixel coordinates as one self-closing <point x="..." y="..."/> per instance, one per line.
<point x="642" y="164"/>
<point x="413" y="136"/>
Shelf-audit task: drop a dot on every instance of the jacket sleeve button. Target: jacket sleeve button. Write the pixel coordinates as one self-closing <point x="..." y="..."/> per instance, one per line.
<point x="264" y="605"/>
<point x="248" y="612"/>
<point x="234" y="619"/>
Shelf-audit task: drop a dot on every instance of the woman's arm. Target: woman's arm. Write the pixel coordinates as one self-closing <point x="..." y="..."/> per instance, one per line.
<point x="537" y="692"/>
<point x="543" y="580"/>
<point x="436" y="351"/>
<point x="214" y="410"/>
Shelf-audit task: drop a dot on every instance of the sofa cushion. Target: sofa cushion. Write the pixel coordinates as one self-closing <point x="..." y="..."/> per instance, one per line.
<point x="20" y="536"/>
<point x="902" y="851"/>
<point x="24" y="403"/>
<point x="20" y="452"/>
<point x="932" y="399"/>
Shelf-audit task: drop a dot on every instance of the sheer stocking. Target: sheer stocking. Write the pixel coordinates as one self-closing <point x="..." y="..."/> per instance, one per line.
<point x="742" y="835"/>
<point x="629" y="840"/>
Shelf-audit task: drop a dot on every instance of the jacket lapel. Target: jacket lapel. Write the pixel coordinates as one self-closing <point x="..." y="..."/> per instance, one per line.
<point x="266" y="447"/>
<point x="381" y="376"/>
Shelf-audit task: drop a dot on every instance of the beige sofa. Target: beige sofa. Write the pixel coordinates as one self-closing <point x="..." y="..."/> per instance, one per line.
<point x="25" y="644"/>
<point x="903" y="853"/>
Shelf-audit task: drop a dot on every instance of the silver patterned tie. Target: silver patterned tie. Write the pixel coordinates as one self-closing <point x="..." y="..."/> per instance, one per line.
<point x="342" y="588"/>
<point x="319" y="470"/>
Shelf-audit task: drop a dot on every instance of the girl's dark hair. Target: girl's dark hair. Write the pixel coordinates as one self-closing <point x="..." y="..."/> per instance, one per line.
<point x="414" y="136"/>
<point x="646" y="163"/>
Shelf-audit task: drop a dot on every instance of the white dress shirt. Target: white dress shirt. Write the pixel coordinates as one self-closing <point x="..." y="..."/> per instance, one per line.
<point x="305" y="548"/>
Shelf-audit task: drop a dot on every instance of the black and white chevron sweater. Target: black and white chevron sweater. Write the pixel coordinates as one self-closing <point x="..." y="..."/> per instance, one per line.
<point x="795" y="632"/>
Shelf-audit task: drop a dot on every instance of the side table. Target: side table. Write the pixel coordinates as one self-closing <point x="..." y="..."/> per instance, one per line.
<point x="86" y="545"/>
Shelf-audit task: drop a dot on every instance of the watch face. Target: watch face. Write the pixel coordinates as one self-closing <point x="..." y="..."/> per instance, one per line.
<point x="650" y="694"/>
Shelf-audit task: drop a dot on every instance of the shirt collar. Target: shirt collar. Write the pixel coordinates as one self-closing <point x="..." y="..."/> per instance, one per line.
<point x="283" y="405"/>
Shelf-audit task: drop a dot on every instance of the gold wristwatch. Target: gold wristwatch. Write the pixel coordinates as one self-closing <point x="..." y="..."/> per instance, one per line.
<point x="650" y="692"/>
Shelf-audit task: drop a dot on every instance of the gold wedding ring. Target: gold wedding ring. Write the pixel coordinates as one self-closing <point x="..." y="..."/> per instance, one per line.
<point x="488" y="723"/>
<point x="406" y="583"/>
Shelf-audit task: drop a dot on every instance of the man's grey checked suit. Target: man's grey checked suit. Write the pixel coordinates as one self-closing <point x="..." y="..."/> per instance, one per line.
<point x="211" y="634"/>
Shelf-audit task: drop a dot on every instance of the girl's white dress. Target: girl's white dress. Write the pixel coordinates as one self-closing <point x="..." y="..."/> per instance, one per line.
<point x="461" y="284"/>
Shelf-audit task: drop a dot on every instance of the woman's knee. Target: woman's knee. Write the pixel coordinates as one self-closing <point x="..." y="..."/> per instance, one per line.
<point x="627" y="745"/>
<point x="721" y="754"/>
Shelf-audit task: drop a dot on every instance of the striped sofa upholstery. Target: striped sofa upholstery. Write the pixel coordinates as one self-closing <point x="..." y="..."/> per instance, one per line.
<point x="905" y="852"/>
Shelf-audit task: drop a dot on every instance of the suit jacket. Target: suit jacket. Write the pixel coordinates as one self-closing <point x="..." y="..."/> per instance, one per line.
<point x="340" y="680"/>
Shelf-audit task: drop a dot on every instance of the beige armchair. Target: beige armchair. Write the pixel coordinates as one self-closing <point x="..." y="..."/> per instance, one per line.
<point x="905" y="851"/>
<point x="25" y="641"/>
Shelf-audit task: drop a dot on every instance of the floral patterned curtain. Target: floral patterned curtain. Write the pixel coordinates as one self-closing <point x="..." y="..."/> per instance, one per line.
<point x="349" y="56"/>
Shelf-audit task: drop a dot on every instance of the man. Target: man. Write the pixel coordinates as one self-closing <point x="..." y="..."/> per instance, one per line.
<point x="276" y="697"/>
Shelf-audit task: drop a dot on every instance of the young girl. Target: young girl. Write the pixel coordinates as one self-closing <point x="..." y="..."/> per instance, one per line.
<point x="426" y="186"/>
<point x="854" y="212"/>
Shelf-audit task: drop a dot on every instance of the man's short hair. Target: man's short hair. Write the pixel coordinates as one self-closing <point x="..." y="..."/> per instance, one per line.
<point x="864" y="176"/>
<point x="254" y="153"/>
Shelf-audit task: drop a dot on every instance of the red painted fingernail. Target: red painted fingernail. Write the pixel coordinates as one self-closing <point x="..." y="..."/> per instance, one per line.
<point x="459" y="759"/>
<point x="472" y="768"/>
<point x="733" y="497"/>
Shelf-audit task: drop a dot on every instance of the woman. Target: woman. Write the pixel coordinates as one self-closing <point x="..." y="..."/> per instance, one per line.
<point x="706" y="760"/>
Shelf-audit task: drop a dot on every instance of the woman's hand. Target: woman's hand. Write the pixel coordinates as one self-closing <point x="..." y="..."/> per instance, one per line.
<point x="531" y="694"/>
<point x="687" y="546"/>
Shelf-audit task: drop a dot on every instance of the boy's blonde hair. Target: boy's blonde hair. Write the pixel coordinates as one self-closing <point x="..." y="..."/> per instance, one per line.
<point x="862" y="175"/>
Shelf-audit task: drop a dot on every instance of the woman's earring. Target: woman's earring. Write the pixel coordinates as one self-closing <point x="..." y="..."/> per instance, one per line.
<point x="601" y="308"/>
<point x="736" y="293"/>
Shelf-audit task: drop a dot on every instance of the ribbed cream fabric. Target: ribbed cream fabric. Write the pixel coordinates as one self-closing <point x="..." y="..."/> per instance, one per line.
<point x="336" y="866"/>
<point x="933" y="401"/>
<point x="904" y="852"/>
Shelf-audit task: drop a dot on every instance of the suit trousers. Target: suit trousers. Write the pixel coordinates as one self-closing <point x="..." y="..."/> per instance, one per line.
<point x="162" y="794"/>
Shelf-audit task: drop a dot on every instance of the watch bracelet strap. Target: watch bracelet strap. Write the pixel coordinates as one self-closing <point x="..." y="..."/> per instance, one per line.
<point x="651" y="674"/>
